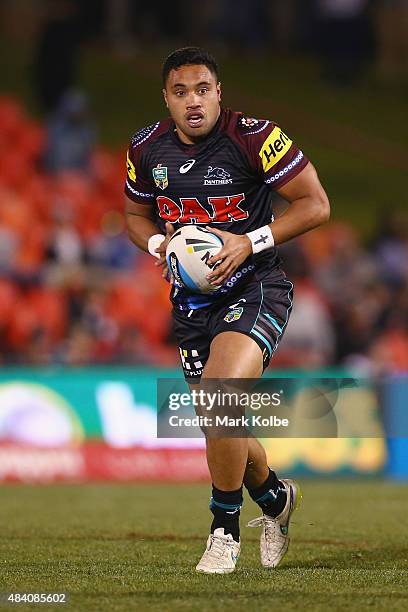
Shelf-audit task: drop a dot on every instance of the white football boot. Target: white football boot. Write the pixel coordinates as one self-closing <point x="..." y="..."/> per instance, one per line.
<point x="221" y="554"/>
<point x="274" y="537"/>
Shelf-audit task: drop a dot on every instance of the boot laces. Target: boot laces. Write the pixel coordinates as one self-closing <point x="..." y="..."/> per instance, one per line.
<point x="270" y="525"/>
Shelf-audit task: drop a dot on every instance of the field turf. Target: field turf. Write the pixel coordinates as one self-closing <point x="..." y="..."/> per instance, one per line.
<point x="125" y="547"/>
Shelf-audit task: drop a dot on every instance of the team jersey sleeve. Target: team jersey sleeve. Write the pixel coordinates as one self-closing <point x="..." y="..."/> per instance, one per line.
<point x="274" y="155"/>
<point x="138" y="186"/>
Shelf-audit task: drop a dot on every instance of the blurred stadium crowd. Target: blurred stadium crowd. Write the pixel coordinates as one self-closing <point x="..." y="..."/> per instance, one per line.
<point x="74" y="290"/>
<point x="347" y="35"/>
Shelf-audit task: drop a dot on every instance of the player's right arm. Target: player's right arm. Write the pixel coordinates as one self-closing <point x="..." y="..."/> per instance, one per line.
<point x="141" y="227"/>
<point x="140" y="223"/>
<point x="140" y="203"/>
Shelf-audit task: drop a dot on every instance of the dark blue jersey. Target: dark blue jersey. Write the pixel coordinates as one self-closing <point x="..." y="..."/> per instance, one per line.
<point x="224" y="181"/>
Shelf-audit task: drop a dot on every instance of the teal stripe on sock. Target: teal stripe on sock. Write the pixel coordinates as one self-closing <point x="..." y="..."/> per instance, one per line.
<point x="224" y="506"/>
<point x="266" y="496"/>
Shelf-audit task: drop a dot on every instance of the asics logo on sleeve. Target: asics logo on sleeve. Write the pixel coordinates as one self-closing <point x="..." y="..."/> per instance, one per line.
<point x="186" y="167"/>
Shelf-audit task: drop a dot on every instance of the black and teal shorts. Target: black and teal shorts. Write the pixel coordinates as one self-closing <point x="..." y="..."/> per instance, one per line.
<point x="259" y="309"/>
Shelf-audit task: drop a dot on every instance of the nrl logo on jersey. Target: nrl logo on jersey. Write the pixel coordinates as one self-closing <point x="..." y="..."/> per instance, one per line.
<point x="217" y="176"/>
<point x="160" y="176"/>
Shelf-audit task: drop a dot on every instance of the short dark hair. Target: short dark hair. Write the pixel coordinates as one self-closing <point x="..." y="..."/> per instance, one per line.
<point x="188" y="56"/>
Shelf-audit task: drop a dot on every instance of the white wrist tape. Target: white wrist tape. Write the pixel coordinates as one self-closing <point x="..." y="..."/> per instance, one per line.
<point x="261" y="239"/>
<point x="154" y="242"/>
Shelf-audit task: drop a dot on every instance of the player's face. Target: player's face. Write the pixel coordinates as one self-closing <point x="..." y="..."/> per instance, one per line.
<point x="193" y="97"/>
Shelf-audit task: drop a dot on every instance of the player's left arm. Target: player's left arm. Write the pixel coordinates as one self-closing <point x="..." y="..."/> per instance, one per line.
<point x="309" y="207"/>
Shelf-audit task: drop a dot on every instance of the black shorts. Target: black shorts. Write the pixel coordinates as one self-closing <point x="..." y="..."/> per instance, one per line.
<point x="260" y="309"/>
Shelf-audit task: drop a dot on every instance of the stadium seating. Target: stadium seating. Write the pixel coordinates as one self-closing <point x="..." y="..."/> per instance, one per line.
<point x="74" y="287"/>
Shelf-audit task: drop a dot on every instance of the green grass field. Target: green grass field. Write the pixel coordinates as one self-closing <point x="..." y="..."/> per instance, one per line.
<point x="124" y="547"/>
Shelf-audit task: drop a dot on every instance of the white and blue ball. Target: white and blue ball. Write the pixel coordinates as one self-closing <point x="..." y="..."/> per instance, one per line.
<point x="187" y="255"/>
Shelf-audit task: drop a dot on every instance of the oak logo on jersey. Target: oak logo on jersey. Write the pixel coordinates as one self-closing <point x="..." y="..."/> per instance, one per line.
<point x="131" y="170"/>
<point x="190" y="210"/>
<point x="160" y="176"/>
<point x="217" y="176"/>
<point x="274" y="148"/>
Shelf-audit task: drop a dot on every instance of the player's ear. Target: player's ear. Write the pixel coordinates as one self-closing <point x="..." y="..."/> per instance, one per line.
<point x="219" y="91"/>
<point x="165" y="97"/>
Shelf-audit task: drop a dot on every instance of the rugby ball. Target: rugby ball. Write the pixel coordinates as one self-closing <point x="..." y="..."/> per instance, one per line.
<point x="187" y="256"/>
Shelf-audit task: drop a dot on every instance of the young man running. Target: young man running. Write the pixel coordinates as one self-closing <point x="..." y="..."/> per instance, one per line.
<point x="214" y="167"/>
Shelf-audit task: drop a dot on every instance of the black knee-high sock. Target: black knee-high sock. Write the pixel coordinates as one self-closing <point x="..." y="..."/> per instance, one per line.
<point x="270" y="496"/>
<point x="226" y="508"/>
